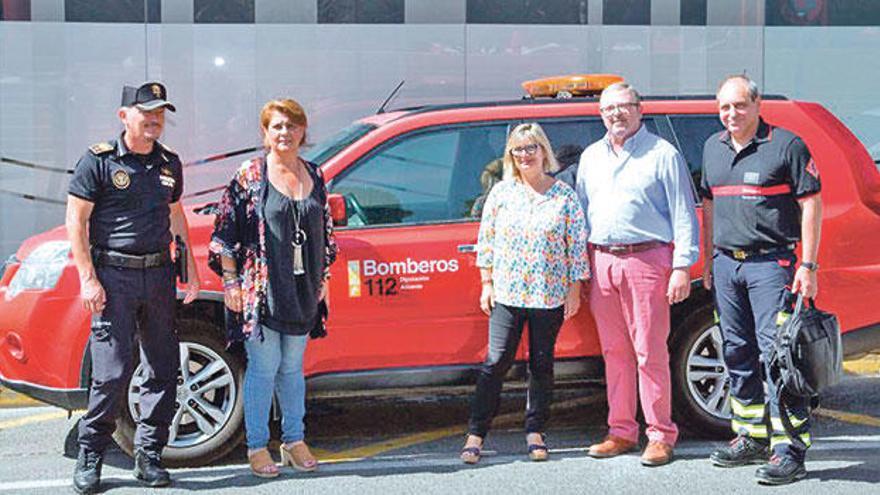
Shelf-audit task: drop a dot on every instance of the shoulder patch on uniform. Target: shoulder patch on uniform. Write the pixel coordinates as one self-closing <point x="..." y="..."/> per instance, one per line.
<point x="168" y="149"/>
<point x="101" y="148"/>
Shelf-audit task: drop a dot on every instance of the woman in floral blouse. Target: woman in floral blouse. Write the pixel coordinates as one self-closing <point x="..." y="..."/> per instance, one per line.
<point x="531" y="254"/>
<point x="273" y="244"/>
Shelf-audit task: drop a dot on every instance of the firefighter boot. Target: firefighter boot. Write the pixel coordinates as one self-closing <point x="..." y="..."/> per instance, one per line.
<point x="742" y="450"/>
<point x="781" y="470"/>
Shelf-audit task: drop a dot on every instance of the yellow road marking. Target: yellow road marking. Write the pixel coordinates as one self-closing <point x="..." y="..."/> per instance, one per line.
<point x="372" y="450"/>
<point x="859" y="419"/>
<point x="868" y="365"/>
<point x="8" y="398"/>
<point x="36" y="418"/>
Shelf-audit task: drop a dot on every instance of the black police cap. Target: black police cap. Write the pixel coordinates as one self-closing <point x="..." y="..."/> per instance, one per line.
<point x="149" y="96"/>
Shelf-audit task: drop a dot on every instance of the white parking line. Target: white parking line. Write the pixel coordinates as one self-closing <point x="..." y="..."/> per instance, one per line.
<point x="383" y="463"/>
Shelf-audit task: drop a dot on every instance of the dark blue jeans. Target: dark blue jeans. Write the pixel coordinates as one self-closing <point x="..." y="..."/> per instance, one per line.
<point x="749" y="296"/>
<point x="505" y="330"/>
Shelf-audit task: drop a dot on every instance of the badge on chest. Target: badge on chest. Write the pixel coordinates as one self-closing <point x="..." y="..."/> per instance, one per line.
<point x="166" y="177"/>
<point x="752" y="178"/>
<point x="121" y="179"/>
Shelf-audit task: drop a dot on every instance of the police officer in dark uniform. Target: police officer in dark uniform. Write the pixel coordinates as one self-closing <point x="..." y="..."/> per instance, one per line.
<point x="122" y="210"/>
<point x="760" y="191"/>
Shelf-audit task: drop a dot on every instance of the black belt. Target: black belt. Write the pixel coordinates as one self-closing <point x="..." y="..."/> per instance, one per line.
<point x="744" y="254"/>
<point x="123" y="260"/>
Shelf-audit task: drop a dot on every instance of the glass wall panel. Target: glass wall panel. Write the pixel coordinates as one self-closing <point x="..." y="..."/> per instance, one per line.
<point x="693" y="12"/>
<point x="60" y="82"/>
<point x="825" y="13"/>
<point x="500" y="58"/>
<point x="626" y="12"/>
<point x="60" y="87"/>
<point x="527" y="11"/>
<point x="15" y="10"/>
<point x="112" y="10"/>
<point x="223" y="11"/>
<point x="849" y="53"/>
<point x="361" y="11"/>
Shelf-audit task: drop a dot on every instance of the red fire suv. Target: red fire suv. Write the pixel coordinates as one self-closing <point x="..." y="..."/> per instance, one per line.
<point x="404" y="292"/>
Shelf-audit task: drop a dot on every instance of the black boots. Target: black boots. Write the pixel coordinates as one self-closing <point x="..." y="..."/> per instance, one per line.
<point x="781" y="470"/>
<point x="148" y="468"/>
<point x="741" y="451"/>
<point x="87" y="473"/>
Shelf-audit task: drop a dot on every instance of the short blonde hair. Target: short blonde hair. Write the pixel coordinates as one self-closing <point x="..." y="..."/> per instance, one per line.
<point x="532" y="131"/>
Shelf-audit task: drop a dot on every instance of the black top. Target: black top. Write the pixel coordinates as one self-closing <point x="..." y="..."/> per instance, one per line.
<point x="291" y="304"/>
<point x="131" y="194"/>
<point x="759" y="208"/>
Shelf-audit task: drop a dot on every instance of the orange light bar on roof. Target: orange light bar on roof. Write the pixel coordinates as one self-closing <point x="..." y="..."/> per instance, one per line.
<point x="573" y="85"/>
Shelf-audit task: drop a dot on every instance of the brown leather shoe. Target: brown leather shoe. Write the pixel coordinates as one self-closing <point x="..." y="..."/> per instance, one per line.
<point x="657" y="454"/>
<point x="610" y="447"/>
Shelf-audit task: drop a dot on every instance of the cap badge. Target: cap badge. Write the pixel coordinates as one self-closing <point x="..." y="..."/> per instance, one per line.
<point x="121" y="179"/>
<point x="157" y="91"/>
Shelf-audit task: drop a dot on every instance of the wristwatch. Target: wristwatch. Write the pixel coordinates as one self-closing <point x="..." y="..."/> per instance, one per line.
<point x="809" y="265"/>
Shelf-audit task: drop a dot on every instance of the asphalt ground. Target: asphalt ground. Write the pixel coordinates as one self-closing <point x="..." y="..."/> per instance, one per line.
<point x="410" y="444"/>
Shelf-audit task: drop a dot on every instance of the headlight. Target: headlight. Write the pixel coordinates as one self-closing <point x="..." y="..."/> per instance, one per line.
<point x="41" y="269"/>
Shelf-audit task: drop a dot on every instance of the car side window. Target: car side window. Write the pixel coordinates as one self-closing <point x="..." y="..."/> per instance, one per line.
<point x="428" y="176"/>
<point x="691" y="132"/>
<point x="569" y="138"/>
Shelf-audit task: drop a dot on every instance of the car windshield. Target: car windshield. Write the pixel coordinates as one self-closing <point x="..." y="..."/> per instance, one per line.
<point x="326" y="149"/>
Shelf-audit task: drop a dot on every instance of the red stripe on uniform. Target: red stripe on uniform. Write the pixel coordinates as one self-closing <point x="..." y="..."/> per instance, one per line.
<point x="751" y="190"/>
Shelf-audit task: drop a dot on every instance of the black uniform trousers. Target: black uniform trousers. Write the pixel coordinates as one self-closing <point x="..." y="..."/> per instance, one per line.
<point x="144" y="300"/>
<point x="749" y="295"/>
<point x="505" y="330"/>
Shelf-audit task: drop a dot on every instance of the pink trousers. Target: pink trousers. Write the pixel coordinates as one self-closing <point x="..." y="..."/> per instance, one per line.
<point x="628" y="301"/>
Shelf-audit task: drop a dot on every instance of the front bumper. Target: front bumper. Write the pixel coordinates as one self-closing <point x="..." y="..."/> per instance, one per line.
<point x="65" y="398"/>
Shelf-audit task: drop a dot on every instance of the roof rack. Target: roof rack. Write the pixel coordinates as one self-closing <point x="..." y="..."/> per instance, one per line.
<point x="526" y="100"/>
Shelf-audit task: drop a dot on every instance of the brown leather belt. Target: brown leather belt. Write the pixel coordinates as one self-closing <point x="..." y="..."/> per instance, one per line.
<point x="124" y="260"/>
<point x="620" y="249"/>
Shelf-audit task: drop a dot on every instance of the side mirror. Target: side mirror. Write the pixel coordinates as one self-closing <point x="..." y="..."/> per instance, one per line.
<point x="337" y="209"/>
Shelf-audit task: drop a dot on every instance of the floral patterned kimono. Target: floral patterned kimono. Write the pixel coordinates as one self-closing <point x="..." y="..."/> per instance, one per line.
<point x="240" y="234"/>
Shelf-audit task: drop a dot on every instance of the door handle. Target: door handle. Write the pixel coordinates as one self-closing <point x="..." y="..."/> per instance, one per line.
<point x="467" y="248"/>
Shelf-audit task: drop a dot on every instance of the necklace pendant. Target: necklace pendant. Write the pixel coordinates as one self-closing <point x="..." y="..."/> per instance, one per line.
<point x="299" y="239"/>
<point x="298" y="268"/>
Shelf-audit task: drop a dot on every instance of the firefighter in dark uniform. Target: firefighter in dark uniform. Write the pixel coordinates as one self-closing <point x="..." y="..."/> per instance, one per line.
<point x="760" y="190"/>
<point x="122" y="210"/>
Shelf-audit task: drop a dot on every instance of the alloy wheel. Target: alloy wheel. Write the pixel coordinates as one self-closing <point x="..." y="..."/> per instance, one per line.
<point x="205" y="399"/>
<point x="707" y="378"/>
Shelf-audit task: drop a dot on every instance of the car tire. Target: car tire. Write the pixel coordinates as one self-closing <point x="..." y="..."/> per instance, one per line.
<point x="211" y="424"/>
<point x="700" y="384"/>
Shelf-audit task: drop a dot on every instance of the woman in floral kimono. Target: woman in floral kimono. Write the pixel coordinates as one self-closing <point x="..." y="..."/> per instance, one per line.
<point x="273" y="245"/>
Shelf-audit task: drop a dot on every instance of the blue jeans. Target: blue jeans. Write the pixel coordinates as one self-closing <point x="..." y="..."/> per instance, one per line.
<point x="275" y="364"/>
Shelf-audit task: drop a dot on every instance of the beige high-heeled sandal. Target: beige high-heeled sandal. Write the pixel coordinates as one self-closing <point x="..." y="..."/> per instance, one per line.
<point x="262" y="464"/>
<point x="298" y="457"/>
<point x="471" y="454"/>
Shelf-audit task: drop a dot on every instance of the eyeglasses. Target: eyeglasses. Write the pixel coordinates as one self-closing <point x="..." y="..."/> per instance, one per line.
<point x="620" y="107"/>
<point x="529" y="149"/>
